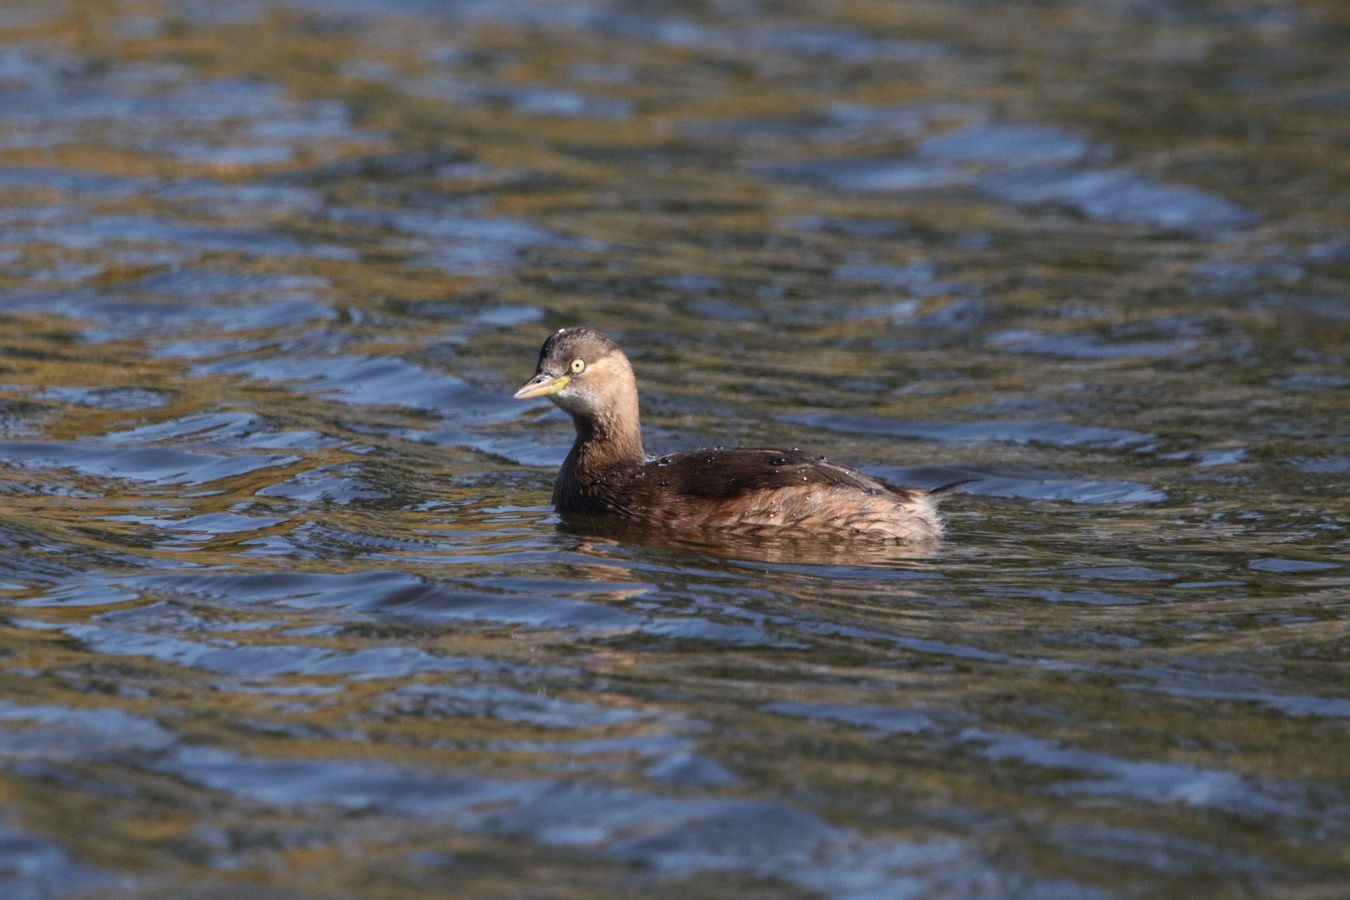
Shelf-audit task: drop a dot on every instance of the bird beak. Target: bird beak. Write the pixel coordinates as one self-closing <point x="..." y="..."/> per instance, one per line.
<point x="542" y="385"/>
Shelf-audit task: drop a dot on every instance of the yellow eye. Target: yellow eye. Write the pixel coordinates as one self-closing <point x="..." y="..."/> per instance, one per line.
<point x="578" y="365"/>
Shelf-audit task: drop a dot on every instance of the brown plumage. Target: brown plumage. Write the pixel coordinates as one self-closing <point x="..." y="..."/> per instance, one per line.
<point x="746" y="490"/>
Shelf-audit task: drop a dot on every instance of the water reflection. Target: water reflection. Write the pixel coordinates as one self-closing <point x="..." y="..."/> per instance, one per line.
<point x="762" y="548"/>
<point x="286" y="611"/>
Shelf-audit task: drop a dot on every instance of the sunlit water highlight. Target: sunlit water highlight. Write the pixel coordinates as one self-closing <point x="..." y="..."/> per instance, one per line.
<point x="286" y="613"/>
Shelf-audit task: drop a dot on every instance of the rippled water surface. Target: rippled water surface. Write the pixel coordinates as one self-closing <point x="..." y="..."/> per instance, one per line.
<point x="286" y="613"/>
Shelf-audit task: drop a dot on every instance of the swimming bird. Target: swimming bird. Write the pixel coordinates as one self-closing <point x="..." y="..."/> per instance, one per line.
<point x="731" y="491"/>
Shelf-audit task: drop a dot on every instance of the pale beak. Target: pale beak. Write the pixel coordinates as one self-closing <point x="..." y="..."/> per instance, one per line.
<point x="542" y="385"/>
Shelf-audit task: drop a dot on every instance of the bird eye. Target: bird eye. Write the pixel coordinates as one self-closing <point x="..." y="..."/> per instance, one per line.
<point x="577" y="366"/>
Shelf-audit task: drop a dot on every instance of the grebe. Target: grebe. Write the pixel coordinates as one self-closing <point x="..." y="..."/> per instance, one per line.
<point x="744" y="490"/>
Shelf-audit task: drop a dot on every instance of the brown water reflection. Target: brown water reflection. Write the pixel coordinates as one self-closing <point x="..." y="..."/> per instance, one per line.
<point x="284" y="609"/>
<point x="762" y="549"/>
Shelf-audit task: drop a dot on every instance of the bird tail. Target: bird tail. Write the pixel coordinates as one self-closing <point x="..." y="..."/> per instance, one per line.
<point x="946" y="488"/>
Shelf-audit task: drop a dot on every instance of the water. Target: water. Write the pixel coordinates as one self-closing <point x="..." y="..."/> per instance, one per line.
<point x="286" y="613"/>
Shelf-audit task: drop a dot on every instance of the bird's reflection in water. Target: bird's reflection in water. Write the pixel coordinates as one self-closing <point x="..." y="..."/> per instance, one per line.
<point x="769" y="549"/>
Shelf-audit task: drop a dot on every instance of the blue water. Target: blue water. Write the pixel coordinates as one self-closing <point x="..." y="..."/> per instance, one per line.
<point x="286" y="612"/>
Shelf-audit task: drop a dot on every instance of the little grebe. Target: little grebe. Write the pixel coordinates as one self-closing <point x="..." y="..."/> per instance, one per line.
<point x="751" y="491"/>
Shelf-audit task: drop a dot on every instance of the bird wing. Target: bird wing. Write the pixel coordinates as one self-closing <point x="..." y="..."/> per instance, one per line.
<point x="726" y="473"/>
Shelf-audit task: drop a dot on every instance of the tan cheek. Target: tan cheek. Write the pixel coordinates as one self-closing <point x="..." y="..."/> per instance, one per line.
<point x="600" y="369"/>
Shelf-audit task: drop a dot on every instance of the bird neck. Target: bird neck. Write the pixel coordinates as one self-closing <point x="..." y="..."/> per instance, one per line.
<point x="610" y="438"/>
